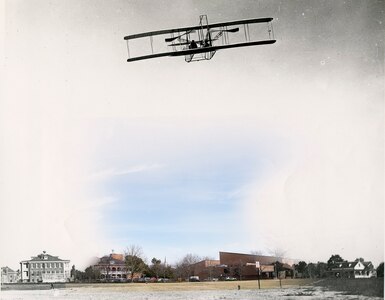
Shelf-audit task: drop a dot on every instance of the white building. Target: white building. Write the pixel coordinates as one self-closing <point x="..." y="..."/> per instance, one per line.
<point x="355" y="269"/>
<point x="9" y="276"/>
<point x="364" y="269"/>
<point x="45" y="268"/>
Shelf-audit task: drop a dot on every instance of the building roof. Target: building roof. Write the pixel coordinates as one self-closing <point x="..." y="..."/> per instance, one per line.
<point x="287" y="266"/>
<point x="7" y="270"/>
<point x="368" y="265"/>
<point x="46" y="257"/>
<point x="343" y="265"/>
<point x="231" y="258"/>
<point x="351" y="265"/>
<point x="267" y="268"/>
<point x="111" y="260"/>
<point x="208" y="263"/>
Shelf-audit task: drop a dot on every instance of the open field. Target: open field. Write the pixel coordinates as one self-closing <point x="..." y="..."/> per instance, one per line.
<point x="172" y="286"/>
<point x="199" y="286"/>
<point x="270" y="289"/>
<point x="366" y="287"/>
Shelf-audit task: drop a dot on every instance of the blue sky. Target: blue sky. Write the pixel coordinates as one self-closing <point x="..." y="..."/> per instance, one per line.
<point x="277" y="147"/>
<point x="178" y="196"/>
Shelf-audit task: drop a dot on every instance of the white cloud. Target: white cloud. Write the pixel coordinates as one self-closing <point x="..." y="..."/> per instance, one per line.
<point x="109" y="173"/>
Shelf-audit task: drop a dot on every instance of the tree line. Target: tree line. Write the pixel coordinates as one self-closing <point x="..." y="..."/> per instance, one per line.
<point x="135" y="263"/>
<point x="320" y="269"/>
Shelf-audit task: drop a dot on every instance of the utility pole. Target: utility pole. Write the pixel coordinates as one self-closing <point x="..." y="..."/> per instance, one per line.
<point x="258" y="268"/>
<point x="279" y="277"/>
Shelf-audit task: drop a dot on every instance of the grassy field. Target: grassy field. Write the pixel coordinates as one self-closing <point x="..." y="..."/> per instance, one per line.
<point x="373" y="287"/>
<point x="197" y="286"/>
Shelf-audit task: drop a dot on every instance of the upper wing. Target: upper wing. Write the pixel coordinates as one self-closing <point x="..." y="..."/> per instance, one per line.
<point x="240" y="22"/>
<point x="159" y="32"/>
<point x="191" y="28"/>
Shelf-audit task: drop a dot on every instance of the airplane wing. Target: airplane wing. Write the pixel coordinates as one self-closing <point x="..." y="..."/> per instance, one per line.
<point x="160" y="32"/>
<point x="191" y="28"/>
<point x="241" y="22"/>
<point x="201" y="50"/>
<point x="198" y="42"/>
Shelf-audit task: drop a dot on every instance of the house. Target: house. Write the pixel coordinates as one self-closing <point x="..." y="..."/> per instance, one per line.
<point x="355" y="269"/>
<point x="112" y="268"/>
<point x="45" y="268"/>
<point x="9" y="276"/>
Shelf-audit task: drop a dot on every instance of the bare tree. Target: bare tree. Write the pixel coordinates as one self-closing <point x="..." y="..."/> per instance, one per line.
<point x="184" y="268"/>
<point x="134" y="260"/>
<point x="256" y="252"/>
<point x="279" y="253"/>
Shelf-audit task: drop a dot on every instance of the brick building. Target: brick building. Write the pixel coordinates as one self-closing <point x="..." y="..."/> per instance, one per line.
<point x="242" y="266"/>
<point x="239" y="266"/>
<point x="207" y="269"/>
<point x="112" y="268"/>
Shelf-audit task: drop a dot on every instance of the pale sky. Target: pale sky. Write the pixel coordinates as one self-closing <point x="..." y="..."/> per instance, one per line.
<point x="276" y="147"/>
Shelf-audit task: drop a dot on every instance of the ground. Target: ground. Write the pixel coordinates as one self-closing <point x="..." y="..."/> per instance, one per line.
<point x="248" y="290"/>
<point x="367" y="287"/>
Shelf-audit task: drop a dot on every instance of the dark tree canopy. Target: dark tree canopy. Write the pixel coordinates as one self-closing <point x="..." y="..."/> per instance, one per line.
<point x="300" y="267"/>
<point x="91" y="274"/>
<point x="135" y="265"/>
<point x="380" y="270"/>
<point x="156" y="268"/>
<point x="359" y="259"/>
<point x="335" y="258"/>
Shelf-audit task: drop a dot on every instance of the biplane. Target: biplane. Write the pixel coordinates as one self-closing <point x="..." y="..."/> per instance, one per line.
<point x="202" y="41"/>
